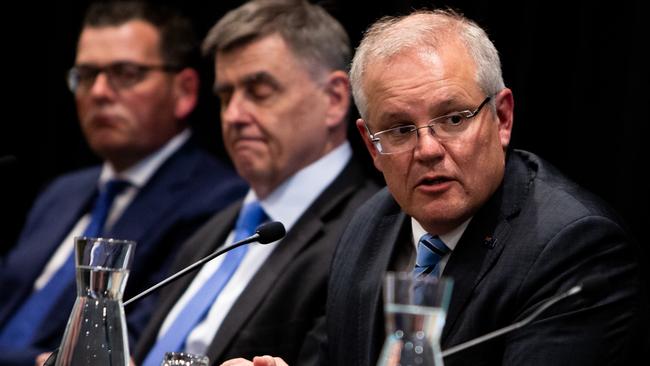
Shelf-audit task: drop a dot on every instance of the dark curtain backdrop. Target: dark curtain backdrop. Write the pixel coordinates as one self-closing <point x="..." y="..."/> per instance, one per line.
<point x="576" y="68"/>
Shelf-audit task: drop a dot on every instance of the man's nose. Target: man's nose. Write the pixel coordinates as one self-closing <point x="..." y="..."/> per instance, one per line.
<point x="234" y="110"/>
<point x="428" y="146"/>
<point x="101" y="86"/>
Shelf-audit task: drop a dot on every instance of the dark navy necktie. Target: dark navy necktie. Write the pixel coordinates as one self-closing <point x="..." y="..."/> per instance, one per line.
<point x="429" y="253"/>
<point x="23" y="325"/>
<point x="251" y="216"/>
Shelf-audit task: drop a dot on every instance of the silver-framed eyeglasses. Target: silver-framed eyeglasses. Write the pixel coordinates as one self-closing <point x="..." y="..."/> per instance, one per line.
<point x="120" y="75"/>
<point x="405" y="137"/>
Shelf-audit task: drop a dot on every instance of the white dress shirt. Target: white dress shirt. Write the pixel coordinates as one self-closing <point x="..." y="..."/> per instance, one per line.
<point x="138" y="175"/>
<point x="286" y="204"/>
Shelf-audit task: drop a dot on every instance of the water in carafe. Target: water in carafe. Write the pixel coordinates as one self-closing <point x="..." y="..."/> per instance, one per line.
<point x="96" y="333"/>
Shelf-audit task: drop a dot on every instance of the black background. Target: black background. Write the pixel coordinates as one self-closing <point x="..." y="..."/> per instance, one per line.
<point x="580" y="83"/>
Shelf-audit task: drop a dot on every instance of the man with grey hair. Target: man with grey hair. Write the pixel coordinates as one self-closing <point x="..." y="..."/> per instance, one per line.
<point x="509" y="229"/>
<point x="280" y="68"/>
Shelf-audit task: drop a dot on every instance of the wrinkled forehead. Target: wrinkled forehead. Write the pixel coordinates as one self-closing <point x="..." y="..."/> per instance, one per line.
<point x="425" y="76"/>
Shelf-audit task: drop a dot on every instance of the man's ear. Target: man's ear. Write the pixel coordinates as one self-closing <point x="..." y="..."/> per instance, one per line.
<point x="337" y="89"/>
<point x="505" y="106"/>
<point x="186" y="91"/>
<point x="361" y="127"/>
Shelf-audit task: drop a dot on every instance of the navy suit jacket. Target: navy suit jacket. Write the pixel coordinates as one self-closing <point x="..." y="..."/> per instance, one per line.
<point x="184" y="192"/>
<point x="537" y="236"/>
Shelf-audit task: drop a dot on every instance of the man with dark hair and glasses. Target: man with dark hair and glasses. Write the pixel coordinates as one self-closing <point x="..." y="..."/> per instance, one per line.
<point x="135" y="85"/>
<point x="437" y="120"/>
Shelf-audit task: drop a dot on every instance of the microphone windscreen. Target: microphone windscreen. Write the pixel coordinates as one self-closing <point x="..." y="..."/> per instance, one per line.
<point x="270" y="232"/>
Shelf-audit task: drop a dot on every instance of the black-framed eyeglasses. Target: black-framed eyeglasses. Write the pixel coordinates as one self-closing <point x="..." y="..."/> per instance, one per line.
<point x="404" y="138"/>
<point x="121" y="75"/>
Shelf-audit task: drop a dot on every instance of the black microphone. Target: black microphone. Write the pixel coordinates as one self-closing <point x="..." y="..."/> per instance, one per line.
<point x="586" y="287"/>
<point x="264" y="234"/>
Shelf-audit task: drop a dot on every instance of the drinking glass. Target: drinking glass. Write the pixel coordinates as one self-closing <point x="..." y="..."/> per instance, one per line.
<point x="415" y="310"/>
<point x="184" y="359"/>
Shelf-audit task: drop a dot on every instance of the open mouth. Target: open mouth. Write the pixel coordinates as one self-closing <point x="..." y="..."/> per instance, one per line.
<point x="434" y="181"/>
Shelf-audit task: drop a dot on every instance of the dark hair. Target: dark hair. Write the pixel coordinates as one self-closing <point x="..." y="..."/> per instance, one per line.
<point x="311" y="33"/>
<point x="178" y="42"/>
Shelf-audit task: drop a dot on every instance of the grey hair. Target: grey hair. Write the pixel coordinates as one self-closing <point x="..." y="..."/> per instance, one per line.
<point x="391" y="35"/>
<point x="314" y="36"/>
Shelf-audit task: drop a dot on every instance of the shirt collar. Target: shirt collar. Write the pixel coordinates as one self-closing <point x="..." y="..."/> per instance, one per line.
<point x="450" y="238"/>
<point x="291" y="199"/>
<point x="141" y="172"/>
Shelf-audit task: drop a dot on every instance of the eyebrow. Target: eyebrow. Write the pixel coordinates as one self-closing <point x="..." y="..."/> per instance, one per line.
<point x="251" y="79"/>
<point x="400" y="116"/>
<point x="113" y="62"/>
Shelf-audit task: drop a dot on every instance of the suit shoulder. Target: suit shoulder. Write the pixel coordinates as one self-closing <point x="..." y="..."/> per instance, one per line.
<point x="557" y="209"/>
<point x="69" y="183"/>
<point x="564" y="200"/>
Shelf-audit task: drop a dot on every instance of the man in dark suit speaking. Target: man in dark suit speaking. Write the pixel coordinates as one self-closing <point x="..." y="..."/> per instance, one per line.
<point x="134" y="86"/>
<point x="280" y="69"/>
<point x="437" y="120"/>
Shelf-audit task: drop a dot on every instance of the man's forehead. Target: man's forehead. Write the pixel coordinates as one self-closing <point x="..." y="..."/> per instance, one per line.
<point x="245" y="79"/>
<point x="268" y="57"/>
<point x="133" y="40"/>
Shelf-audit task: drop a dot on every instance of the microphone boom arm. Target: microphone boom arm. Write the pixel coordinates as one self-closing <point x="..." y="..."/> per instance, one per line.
<point x="191" y="267"/>
<point x="471" y="343"/>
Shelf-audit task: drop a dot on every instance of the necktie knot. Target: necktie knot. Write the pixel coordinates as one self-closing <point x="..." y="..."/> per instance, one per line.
<point x="103" y="204"/>
<point x="431" y="249"/>
<point x="114" y="187"/>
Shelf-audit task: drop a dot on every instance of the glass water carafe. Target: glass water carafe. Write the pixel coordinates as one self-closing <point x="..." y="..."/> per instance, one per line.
<point x="414" y="310"/>
<point x="96" y="333"/>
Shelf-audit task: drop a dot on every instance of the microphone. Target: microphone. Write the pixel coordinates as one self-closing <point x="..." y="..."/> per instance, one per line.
<point x="264" y="234"/>
<point x="586" y="287"/>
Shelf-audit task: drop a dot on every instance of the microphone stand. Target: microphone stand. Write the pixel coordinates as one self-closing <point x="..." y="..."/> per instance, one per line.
<point x="471" y="343"/>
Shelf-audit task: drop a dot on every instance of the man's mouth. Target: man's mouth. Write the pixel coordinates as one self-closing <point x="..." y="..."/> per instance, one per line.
<point x="434" y="181"/>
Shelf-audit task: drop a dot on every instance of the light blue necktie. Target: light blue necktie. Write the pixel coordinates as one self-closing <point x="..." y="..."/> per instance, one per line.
<point x="430" y="251"/>
<point x="197" y="308"/>
<point x="23" y="325"/>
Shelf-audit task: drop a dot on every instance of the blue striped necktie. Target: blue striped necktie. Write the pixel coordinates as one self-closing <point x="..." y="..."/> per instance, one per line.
<point x="21" y="329"/>
<point x="198" y="306"/>
<point x="429" y="253"/>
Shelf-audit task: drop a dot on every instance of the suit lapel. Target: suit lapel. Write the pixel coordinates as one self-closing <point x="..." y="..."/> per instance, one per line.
<point x="208" y="239"/>
<point x="304" y="232"/>
<point x="156" y="198"/>
<point x="384" y="244"/>
<point x="484" y="240"/>
<point x="44" y="236"/>
<point x="73" y="207"/>
<point x="474" y="256"/>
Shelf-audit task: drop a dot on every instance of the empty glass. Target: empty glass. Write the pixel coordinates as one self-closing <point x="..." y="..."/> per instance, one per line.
<point x="415" y="310"/>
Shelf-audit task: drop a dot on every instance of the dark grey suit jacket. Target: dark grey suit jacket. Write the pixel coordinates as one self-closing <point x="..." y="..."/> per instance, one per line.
<point x="285" y="300"/>
<point x="538" y="236"/>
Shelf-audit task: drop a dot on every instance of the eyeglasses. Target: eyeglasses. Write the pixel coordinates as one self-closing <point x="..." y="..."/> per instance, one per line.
<point x="121" y="75"/>
<point x="404" y="138"/>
